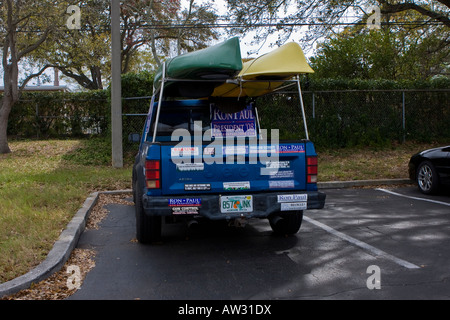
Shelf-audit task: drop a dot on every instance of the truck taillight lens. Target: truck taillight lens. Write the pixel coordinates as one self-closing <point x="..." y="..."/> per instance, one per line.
<point x="153" y="184"/>
<point x="153" y="174"/>
<point x="311" y="169"/>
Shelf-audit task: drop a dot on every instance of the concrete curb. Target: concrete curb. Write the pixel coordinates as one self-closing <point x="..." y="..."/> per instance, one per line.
<point x="68" y="239"/>
<point x="361" y="183"/>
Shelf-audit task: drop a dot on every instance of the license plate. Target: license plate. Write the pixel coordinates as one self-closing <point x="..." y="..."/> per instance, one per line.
<point x="230" y="204"/>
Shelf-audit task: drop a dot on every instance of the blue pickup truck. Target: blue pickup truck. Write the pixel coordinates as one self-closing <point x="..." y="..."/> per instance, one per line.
<point x="198" y="162"/>
<point x="203" y="153"/>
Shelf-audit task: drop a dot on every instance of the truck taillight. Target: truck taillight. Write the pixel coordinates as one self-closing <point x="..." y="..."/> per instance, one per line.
<point x="311" y="169"/>
<point x="153" y="174"/>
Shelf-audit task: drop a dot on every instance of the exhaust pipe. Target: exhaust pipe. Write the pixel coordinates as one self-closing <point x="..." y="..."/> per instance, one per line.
<point x="240" y="223"/>
<point x="192" y="224"/>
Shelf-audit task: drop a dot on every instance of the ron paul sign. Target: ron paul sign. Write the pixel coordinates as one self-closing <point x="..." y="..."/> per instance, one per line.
<point x="239" y="124"/>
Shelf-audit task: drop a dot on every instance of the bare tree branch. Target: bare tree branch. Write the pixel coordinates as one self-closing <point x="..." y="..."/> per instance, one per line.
<point x="400" y="7"/>
<point x="34" y="75"/>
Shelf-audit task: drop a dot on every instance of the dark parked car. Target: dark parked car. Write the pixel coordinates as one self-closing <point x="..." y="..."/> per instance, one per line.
<point x="431" y="169"/>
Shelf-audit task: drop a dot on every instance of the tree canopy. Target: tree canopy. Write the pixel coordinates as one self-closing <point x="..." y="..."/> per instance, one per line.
<point x="49" y="34"/>
<point x="147" y="33"/>
<point x="24" y="27"/>
<point x="410" y="41"/>
<point x="394" y="53"/>
<point x="319" y="18"/>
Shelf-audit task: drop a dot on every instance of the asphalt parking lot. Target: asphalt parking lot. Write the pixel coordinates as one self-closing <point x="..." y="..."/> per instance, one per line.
<point x="367" y="243"/>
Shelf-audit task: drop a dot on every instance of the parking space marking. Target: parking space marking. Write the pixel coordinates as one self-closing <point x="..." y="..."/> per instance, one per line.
<point x="361" y="244"/>
<point x="411" y="197"/>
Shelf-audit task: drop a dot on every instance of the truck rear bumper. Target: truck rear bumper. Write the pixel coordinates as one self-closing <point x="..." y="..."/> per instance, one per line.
<point x="210" y="205"/>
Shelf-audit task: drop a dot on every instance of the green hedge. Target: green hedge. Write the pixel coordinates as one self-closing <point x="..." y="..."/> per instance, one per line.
<point x="54" y="114"/>
<point x="312" y="84"/>
<point x="343" y="113"/>
<point x="340" y="113"/>
<point x="50" y="114"/>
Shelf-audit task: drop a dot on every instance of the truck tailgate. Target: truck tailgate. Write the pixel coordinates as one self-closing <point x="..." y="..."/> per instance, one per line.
<point x="245" y="168"/>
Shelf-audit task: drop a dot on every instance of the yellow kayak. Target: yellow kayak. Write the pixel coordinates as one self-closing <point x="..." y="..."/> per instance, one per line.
<point x="282" y="63"/>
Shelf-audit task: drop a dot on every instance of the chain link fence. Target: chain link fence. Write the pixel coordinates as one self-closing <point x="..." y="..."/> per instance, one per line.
<point x="337" y="118"/>
<point x="133" y="123"/>
<point x="344" y="118"/>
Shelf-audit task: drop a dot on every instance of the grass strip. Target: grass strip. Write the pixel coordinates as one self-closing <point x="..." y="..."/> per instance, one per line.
<point x="40" y="191"/>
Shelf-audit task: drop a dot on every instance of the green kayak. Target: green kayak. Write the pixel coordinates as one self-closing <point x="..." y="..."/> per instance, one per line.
<point x="219" y="63"/>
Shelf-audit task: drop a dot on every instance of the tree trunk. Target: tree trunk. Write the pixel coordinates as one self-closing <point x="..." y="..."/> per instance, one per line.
<point x="5" y="108"/>
<point x="12" y="54"/>
<point x="96" y="73"/>
<point x="10" y="97"/>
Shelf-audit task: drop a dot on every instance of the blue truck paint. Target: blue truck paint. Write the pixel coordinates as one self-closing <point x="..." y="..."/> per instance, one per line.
<point x="205" y="177"/>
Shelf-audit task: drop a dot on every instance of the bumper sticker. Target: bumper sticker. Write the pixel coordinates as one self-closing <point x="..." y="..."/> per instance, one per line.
<point x="281" y="184"/>
<point x="190" y="167"/>
<point x="292" y="198"/>
<point x="184" y="151"/>
<point x="277" y="174"/>
<point x="278" y="164"/>
<point x="185" y="210"/>
<point x="288" y="206"/>
<point x="183" y="202"/>
<point x="244" y="185"/>
<point x="197" y="187"/>
<point x="291" y="148"/>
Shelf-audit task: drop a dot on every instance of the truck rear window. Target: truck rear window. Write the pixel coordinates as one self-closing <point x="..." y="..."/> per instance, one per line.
<point x="171" y="119"/>
<point x="224" y="119"/>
